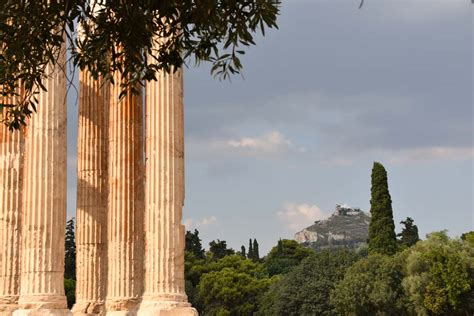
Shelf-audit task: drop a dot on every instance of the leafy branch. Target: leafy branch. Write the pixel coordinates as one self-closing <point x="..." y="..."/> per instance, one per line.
<point x="136" y="38"/>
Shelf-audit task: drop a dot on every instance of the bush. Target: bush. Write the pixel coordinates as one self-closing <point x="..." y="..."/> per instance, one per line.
<point x="305" y="290"/>
<point x="70" y="291"/>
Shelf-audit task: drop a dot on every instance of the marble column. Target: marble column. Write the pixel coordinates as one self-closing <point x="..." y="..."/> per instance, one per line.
<point x="125" y="207"/>
<point x="92" y="190"/>
<point x="11" y="179"/>
<point x="164" y="292"/>
<point x="44" y="201"/>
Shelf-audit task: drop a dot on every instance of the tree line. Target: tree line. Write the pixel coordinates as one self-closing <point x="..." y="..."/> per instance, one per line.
<point x="394" y="274"/>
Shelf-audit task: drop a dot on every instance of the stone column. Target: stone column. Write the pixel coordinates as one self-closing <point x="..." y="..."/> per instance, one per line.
<point x="92" y="182"/>
<point x="125" y="209"/>
<point x="44" y="201"/>
<point x="164" y="197"/>
<point x="11" y="179"/>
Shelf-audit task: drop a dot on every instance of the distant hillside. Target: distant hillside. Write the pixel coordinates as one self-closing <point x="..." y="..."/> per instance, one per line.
<point x="346" y="227"/>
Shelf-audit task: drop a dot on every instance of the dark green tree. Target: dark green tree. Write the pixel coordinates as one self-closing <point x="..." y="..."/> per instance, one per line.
<point x="280" y="246"/>
<point x="242" y="251"/>
<point x="232" y="285"/>
<point x="468" y="237"/>
<point x="70" y="292"/>
<point x="409" y="235"/>
<point x="305" y="289"/>
<point x="250" y="253"/>
<point x="255" y="254"/>
<point x="372" y="286"/>
<point x="382" y="237"/>
<point x="193" y="244"/>
<point x="219" y="249"/>
<point x="285" y="256"/>
<point x="70" y="251"/>
<point x="170" y="33"/>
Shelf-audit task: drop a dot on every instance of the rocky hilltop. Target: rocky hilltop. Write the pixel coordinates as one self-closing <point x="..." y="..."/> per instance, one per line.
<point x="346" y="227"/>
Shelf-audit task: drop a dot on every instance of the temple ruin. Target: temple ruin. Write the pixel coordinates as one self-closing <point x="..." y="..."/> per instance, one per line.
<point x="130" y="194"/>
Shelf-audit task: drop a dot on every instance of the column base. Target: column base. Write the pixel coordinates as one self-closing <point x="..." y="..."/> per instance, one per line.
<point x="8" y="304"/>
<point x="166" y="308"/>
<point x="122" y="307"/>
<point x="122" y="313"/>
<point x="7" y="310"/>
<point x="42" y="302"/>
<point x="88" y="308"/>
<point x="42" y="312"/>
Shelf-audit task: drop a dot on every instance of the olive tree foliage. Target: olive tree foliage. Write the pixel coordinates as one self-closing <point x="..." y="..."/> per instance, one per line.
<point x="136" y="38"/>
<point x="439" y="276"/>
<point x="372" y="286"/>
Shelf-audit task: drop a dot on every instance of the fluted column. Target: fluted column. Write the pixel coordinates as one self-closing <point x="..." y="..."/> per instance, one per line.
<point x="44" y="201"/>
<point x="92" y="190"/>
<point x="11" y="178"/>
<point x="164" y="292"/>
<point x="125" y="209"/>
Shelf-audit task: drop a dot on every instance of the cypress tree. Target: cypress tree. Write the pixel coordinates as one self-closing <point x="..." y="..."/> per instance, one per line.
<point x="250" y="253"/>
<point x="255" y="254"/>
<point x="382" y="237"/>
<point x="280" y="247"/>
<point x="70" y="250"/>
<point x="242" y="251"/>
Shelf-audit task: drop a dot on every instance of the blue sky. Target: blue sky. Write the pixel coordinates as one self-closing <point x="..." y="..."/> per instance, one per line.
<point x="333" y="90"/>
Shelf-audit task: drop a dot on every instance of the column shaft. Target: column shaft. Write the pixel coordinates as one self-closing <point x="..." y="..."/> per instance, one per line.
<point x="125" y="209"/>
<point x="164" y="198"/>
<point x="92" y="190"/>
<point x="11" y="179"/>
<point x="44" y="200"/>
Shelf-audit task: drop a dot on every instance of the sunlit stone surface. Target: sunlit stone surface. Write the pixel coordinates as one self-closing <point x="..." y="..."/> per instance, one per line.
<point x="130" y="240"/>
<point x="11" y="177"/>
<point x="44" y="202"/>
<point x="164" y="292"/>
<point x="125" y="205"/>
<point x="92" y="190"/>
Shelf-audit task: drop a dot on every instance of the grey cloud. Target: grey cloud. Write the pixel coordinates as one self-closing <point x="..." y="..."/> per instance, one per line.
<point x="380" y="78"/>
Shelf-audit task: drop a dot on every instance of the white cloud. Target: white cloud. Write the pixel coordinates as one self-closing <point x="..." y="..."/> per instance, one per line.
<point x="201" y="223"/>
<point x="271" y="142"/>
<point x="298" y="216"/>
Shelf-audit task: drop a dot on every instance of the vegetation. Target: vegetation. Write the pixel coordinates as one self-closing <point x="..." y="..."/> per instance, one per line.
<point x="371" y="286"/>
<point x="253" y="253"/>
<point x="33" y="35"/>
<point x="285" y="256"/>
<point x="193" y="244"/>
<point x="425" y="277"/>
<point x="409" y="235"/>
<point x="70" y="292"/>
<point x="382" y="238"/>
<point x="233" y="286"/>
<point x="439" y="276"/>
<point x="70" y="251"/>
<point x="305" y="289"/>
<point x="219" y="249"/>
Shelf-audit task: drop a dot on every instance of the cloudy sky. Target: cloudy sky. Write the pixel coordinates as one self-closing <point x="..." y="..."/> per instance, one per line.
<point x="333" y="90"/>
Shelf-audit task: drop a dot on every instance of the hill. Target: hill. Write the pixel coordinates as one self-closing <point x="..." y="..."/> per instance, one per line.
<point x="346" y="227"/>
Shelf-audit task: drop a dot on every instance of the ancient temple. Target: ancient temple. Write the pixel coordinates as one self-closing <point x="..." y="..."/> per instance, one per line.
<point x="130" y="194"/>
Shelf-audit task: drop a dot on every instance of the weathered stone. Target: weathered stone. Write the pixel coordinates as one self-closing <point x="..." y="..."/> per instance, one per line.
<point x="92" y="190"/>
<point x="164" y="292"/>
<point x="11" y="180"/>
<point x="44" y="201"/>
<point x="125" y="205"/>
